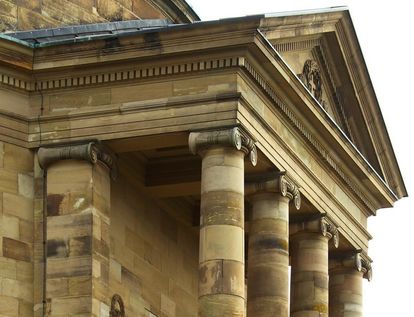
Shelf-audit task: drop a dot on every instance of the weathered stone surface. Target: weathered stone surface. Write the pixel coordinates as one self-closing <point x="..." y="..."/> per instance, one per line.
<point x="222" y="207"/>
<point x="16" y="230"/>
<point x="69" y="267"/>
<point x="74" y="305"/>
<point x="9" y="306"/>
<point x="7" y="268"/>
<point x="18" y="206"/>
<point x="10" y="227"/>
<point x="15" y="249"/>
<point x="309" y="289"/>
<point x="142" y="94"/>
<point x="345" y="292"/>
<point x="17" y="289"/>
<point x="221" y="259"/>
<point x="77" y="231"/>
<point x="268" y="260"/>
<point x="25" y="185"/>
<point x="17" y="158"/>
<point x="33" y="14"/>
<point x="8" y="181"/>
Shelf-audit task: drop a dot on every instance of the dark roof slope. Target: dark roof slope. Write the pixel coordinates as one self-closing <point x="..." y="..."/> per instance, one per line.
<point x="85" y="31"/>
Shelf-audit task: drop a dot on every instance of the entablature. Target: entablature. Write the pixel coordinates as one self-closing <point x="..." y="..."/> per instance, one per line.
<point x="230" y="45"/>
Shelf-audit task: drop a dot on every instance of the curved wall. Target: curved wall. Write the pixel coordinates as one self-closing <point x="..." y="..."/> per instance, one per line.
<point x="34" y="14"/>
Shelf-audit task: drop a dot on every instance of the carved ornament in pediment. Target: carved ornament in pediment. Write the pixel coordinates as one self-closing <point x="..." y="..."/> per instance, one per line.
<point x="312" y="79"/>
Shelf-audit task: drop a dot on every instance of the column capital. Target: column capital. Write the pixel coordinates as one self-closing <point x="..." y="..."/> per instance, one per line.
<point x="317" y="224"/>
<point x="354" y="260"/>
<point x="90" y="151"/>
<point x="276" y="182"/>
<point x="231" y="137"/>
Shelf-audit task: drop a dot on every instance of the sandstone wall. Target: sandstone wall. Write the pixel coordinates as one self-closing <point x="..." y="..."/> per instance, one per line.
<point x="16" y="231"/>
<point x="35" y="14"/>
<point x="153" y="257"/>
<point x="77" y="239"/>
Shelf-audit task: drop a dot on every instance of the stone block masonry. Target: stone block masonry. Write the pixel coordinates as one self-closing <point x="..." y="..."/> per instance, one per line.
<point x="16" y="230"/>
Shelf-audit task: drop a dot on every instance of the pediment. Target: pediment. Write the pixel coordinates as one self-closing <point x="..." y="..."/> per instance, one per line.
<point x="311" y="60"/>
<point x="322" y="49"/>
<point x="312" y="68"/>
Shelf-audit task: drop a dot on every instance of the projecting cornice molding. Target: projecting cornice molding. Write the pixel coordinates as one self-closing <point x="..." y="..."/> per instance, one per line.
<point x="274" y="183"/>
<point x="235" y="137"/>
<point x="91" y="152"/>
<point x="120" y="75"/>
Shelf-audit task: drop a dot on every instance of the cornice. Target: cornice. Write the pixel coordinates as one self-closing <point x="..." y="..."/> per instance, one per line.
<point x="369" y="104"/>
<point x="302" y="44"/>
<point x="120" y="75"/>
<point x="15" y="53"/>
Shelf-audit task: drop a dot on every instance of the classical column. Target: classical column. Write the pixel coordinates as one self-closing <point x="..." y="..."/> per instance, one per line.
<point x="221" y="261"/>
<point x="309" y="261"/>
<point x="345" y="285"/>
<point x="77" y="228"/>
<point x="268" y="260"/>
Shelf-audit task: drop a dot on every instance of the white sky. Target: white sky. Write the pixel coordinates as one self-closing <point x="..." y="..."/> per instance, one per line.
<point x="384" y="30"/>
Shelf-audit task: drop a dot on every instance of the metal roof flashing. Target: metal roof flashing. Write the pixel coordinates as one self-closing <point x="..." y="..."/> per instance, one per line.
<point x="82" y="33"/>
<point x="306" y="12"/>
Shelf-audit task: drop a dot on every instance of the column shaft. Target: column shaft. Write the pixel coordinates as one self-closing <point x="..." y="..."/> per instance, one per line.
<point x="345" y="292"/>
<point x="77" y="227"/>
<point x="268" y="262"/>
<point x="309" y="286"/>
<point x="221" y="267"/>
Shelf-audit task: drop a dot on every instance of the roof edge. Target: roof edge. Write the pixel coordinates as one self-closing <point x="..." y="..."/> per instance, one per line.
<point x="306" y="12"/>
<point x="375" y="110"/>
<point x="178" y="10"/>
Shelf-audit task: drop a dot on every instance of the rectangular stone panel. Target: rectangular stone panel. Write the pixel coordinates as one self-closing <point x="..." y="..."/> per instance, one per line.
<point x="68" y="226"/>
<point x="9" y="306"/>
<point x="71" y="306"/>
<point x="69" y="267"/>
<point x="18" y="206"/>
<point x="15" y="249"/>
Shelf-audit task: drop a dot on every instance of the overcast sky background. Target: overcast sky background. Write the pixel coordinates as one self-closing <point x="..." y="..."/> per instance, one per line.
<point x="384" y="30"/>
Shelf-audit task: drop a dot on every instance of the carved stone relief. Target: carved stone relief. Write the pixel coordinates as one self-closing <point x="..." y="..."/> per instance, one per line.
<point x="117" y="307"/>
<point x="311" y="78"/>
